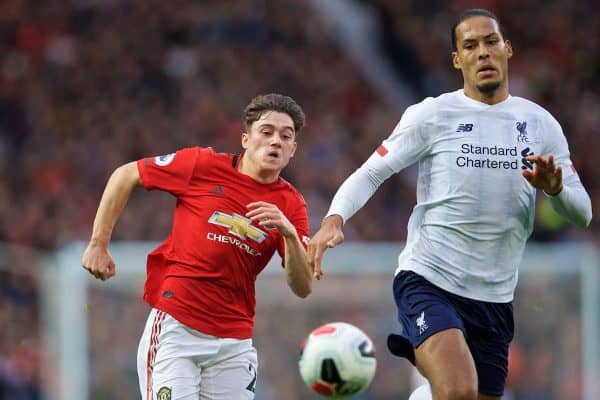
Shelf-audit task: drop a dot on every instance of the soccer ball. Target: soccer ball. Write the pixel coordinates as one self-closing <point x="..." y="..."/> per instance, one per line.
<point x="338" y="360"/>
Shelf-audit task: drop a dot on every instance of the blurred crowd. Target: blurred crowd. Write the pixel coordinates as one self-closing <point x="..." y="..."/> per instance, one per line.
<point x="88" y="85"/>
<point x="21" y="351"/>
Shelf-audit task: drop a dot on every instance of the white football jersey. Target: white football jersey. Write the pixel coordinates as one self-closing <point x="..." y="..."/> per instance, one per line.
<point x="474" y="209"/>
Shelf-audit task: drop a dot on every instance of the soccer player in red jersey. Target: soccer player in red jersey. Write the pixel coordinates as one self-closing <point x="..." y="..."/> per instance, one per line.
<point x="232" y="213"/>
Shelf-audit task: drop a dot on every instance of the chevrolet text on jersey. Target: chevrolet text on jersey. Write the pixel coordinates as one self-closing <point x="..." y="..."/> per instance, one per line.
<point x="234" y="241"/>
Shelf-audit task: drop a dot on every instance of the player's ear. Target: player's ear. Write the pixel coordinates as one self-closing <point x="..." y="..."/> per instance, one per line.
<point x="245" y="139"/>
<point x="509" y="49"/>
<point x="455" y="60"/>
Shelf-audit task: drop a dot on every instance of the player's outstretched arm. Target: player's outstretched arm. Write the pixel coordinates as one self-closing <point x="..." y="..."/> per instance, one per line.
<point x="353" y="193"/>
<point x="96" y="258"/>
<point x="298" y="272"/>
<point x="328" y="236"/>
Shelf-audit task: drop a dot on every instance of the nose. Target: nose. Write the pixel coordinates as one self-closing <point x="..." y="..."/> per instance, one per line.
<point x="483" y="51"/>
<point x="276" y="139"/>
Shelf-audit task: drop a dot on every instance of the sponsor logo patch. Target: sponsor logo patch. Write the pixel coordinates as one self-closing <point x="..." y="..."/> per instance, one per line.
<point x="493" y="157"/>
<point x="526" y="164"/>
<point x="464" y="128"/>
<point x="239" y="226"/>
<point x="165" y="160"/>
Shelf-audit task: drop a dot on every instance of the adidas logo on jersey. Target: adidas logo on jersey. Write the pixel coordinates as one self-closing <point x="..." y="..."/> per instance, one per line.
<point x="217" y="190"/>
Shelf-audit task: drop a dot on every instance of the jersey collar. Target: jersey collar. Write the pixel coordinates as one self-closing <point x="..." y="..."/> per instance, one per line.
<point x="467" y="99"/>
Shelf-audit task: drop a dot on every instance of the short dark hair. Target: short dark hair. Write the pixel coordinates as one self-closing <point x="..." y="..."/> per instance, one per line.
<point x="473" y="12"/>
<point x="274" y="102"/>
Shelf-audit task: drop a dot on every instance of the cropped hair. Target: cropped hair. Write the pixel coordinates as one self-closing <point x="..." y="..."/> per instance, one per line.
<point x="473" y="12"/>
<point x="273" y="102"/>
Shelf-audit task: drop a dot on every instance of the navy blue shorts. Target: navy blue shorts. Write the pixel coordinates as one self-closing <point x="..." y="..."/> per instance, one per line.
<point x="424" y="309"/>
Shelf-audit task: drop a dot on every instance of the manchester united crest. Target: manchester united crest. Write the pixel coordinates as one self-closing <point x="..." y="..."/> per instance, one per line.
<point x="164" y="393"/>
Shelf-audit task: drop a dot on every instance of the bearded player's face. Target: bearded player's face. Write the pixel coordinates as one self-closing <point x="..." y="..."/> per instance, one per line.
<point x="482" y="54"/>
<point x="271" y="141"/>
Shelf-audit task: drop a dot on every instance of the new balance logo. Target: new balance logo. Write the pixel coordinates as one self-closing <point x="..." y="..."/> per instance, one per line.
<point x="464" y="128"/>
<point x="421" y="324"/>
<point x="217" y="190"/>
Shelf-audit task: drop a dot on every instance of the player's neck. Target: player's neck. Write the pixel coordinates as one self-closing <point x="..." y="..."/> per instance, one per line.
<point x="247" y="167"/>
<point x="487" y="97"/>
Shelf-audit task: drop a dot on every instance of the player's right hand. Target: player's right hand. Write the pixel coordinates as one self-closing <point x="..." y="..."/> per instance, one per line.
<point x="328" y="236"/>
<point x="98" y="262"/>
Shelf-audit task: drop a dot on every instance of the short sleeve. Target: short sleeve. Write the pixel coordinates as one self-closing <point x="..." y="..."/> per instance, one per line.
<point x="171" y="172"/>
<point x="299" y="218"/>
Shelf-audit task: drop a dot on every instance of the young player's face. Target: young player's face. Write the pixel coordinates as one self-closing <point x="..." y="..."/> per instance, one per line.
<point x="482" y="55"/>
<point x="271" y="142"/>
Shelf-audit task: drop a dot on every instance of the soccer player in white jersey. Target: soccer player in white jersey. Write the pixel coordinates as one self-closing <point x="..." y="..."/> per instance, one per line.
<point x="482" y="154"/>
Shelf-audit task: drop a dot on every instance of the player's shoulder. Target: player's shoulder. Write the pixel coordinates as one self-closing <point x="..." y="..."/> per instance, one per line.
<point x="429" y="107"/>
<point x="291" y="190"/>
<point x="533" y="108"/>
<point x="209" y="154"/>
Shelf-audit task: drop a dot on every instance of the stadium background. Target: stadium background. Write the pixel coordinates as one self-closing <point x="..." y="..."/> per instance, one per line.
<point x="88" y="85"/>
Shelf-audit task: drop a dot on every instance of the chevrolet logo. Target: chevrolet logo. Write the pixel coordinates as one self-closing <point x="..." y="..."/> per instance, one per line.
<point x="238" y="225"/>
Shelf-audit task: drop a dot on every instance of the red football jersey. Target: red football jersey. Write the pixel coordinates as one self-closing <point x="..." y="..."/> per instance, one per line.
<point x="204" y="273"/>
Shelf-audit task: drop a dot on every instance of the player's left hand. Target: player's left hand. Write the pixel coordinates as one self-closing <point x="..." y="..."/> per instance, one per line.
<point x="98" y="261"/>
<point x="545" y="175"/>
<point x="270" y="216"/>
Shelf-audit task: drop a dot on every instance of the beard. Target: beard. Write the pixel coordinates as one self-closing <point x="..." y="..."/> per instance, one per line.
<point x="488" y="89"/>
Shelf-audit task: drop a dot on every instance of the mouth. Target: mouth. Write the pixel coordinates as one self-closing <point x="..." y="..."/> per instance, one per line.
<point x="485" y="71"/>
<point x="273" y="155"/>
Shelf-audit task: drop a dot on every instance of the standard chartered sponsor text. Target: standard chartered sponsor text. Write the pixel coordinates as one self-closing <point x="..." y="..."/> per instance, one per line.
<point x="501" y="152"/>
<point x="215" y="237"/>
<point x="467" y="148"/>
